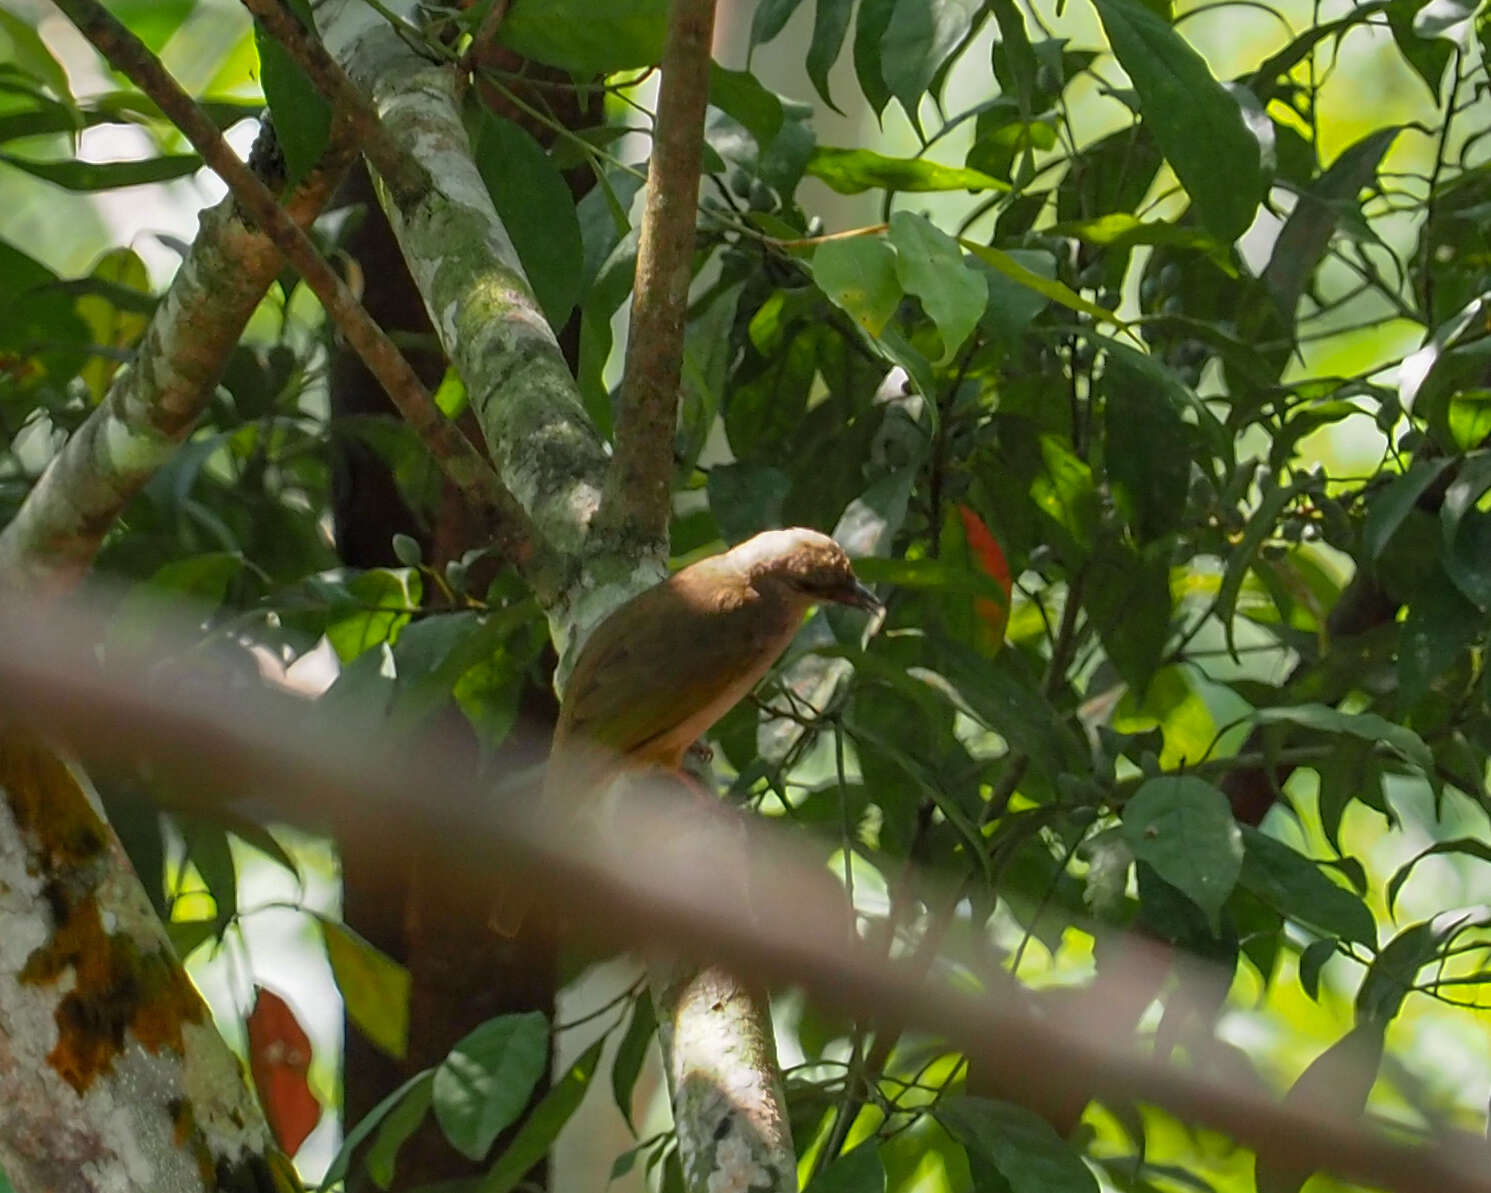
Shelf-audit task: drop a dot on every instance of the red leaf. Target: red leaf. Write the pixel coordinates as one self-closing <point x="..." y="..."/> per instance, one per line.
<point x="986" y="552"/>
<point x="279" y="1059"/>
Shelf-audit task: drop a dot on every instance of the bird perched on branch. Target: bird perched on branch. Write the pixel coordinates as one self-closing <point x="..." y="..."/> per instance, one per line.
<point x="670" y="662"/>
<point x="665" y="666"/>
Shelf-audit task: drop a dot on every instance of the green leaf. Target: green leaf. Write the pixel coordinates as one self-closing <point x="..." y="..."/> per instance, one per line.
<point x="1128" y="595"/>
<point x="740" y="95"/>
<point x="483" y="1085"/>
<point x="1318" y="212"/>
<point x="1440" y="624"/>
<point x="858" y="1171"/>
<point x="1010" y="265"/>
<point x="1148" y="452"/>
<point x="374" y="987"/>
<point x="631" y="1053"/>
<point x="536" y="208"/>
<point x="1468" y="846"/>
<point x="1017" y="1143"/>
<point x="539" y="1130"/>
<point x="1295" y="886"/>
<point x="28" y="52"/>
<point x="585" y="38"/>
<point x="850" y="171"/>
<point x="207" y="849"/>
<point x="379" y="603"/>
<point x="152" y="21"/>
<point x="1388" y="508"/>
<point x="1261" y="524"/>
<point x="830" y="25"/>
<point x="1183" y="827"/>
<point x="401" y="1121"/>
<point x="1195" y="121"/>
<point x="1390" y="978"/>
<point x="746" y="498"/>
<point x="1311" y="962"/>
<point x="917" y="43"/>
<point x="771" y="18"/>
<point x="930" y="265"/>
<point x="102" y="176"/>
<point x="1466" y="530"/>
<point x="859" y="275"/>
<point x="869" y="29"/>
<point x="369" y="1122"/>
<point x="302" y="115"/>
<point x="1367" y="726"/>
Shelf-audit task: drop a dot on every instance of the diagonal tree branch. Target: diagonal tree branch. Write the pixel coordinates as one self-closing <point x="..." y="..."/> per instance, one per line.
<point x="460" y="461"/>
<point x="639" y="485"/>
<point x="154" y="404"/>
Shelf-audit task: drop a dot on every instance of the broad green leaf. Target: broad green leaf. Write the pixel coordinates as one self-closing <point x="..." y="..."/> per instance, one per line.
<point x="401" y="1121"/>
<point x="483" y="1085"/>
<point x="1195" y="121"/>
<point x="850" y="171"/>
<point x="22" y="45"/>
<point x="1012" y="305"/>
<point x="1389" y="506"/>
<point x="585" y="38"/>
<point x="917" y="43"/>
<point x="1370" y="727"/>
<point x="856" y="1171"/>
<point x="374" y="987"/>
<point x="207" y="849"/>
<point x="1063" y="490"/>
<point x="379" y="604"/>
<point x="771" y="18"/>
<point x="1390" y="977"/>
<point x="536" y="208"/>
<point x="1183" y="827"/>
<point x="1466" y="553"/>
<point x="415" y="1087"/>
<point x="302" y="115"/>
<point x="152" y="21"/>
<point x="870" y="25"/>
<point x="937" y="575"/>
<point x="1017" y="1143"/>
<point x="1296" y="887"/>
<point x="1261" y="524"/>
<point x="626" y="1067"/>
<point x="859" y="274"/>
<point x="1440" y="624"/>
<point x="1128" y="596"/>
<point x="1148" y="451"/>
<point x="930" y="265"/>
<point x="830" y="25"/>
<point x="542" y="1127"/>
<point x="740" y="95"/>
<point x="104" y="176"/>
<point x="1317" y="213"/>
<point x="1009" y="264"/>
<point x="1466" y="846"/>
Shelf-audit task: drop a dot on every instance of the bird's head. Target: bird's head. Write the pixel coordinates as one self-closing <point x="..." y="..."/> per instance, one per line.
<point x="806" y="564"/>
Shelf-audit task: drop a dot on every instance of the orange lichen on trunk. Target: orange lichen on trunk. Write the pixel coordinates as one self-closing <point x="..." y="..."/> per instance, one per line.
<point x="121" y="987"/>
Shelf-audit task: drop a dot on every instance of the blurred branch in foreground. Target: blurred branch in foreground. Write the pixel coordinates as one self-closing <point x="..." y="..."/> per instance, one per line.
<point x="663" y="870"/>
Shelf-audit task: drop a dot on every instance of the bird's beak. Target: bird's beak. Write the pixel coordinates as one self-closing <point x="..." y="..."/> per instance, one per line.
<point x="860" y="597"/>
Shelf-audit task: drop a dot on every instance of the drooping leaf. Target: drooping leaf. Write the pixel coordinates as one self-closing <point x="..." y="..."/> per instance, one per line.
<point x="626" y="1066"/>
<point x="916" y="44"/>
<point x="1195" y="121"/>
<point x="542" y="1126"/>
<point x="586" y="39"/>
<point x="1297" y="887"/>
<point x="374" y="987"/>
<point x="302" y="115"/>
<point x="279" y="1055"/>
<point x="483" y="1085"/>
<point x="1016" y="1143"/>
<point x="858" y="1171"/>
<point x="1183" y="827"/>
<point x="536" y="209"/>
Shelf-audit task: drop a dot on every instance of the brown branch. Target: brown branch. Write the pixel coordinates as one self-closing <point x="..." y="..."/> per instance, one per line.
<point x="402" y="174"/>
<point x="638" y="497"/>
<point x="460" y="461"/>
<point x="668" y="871"/>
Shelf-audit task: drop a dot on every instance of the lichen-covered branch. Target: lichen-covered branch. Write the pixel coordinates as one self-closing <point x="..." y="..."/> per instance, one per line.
<point x="154" y="404"/>
<point x="113" y="1078"/>
<point x="639" y="486"/>
<point x="728" y="1103"/>
<point x="460" y="256"/>
<point x="458" y="459"/>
